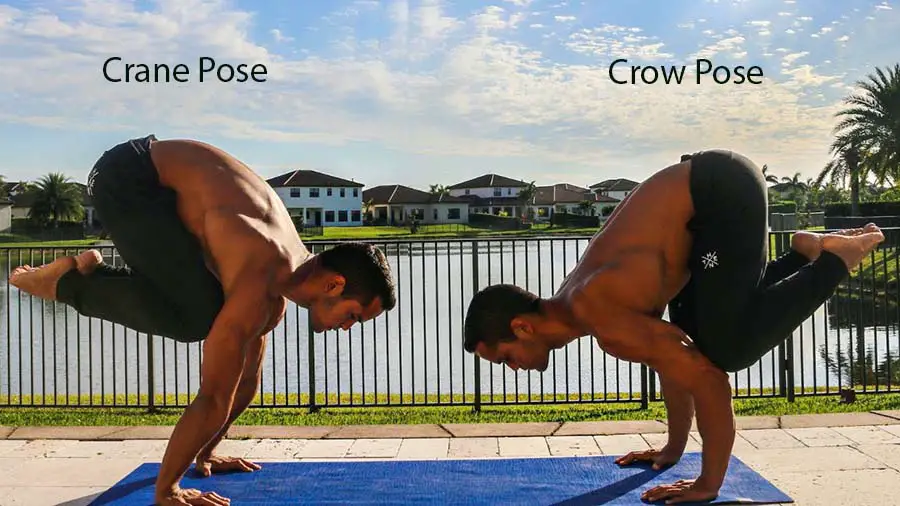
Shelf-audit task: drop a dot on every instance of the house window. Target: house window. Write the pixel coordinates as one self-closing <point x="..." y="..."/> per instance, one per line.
<point x="453" y="213"/>
<point x="329" y="216"/>
<point x="314" y="193"/>
<point x="295" y="193"/>
<point x="328" y="192"/>
<point x="343" y="192"/>
<point x="417" y="214"/>
<point x="435" y="214"/>
<point x="356" y="192"/>
<point x="509" y="191"/>
<point x="497" y="192"/>
<point x="342" y="216"/>
<point x="467" y="191"/>
<point x="355" y="215"/>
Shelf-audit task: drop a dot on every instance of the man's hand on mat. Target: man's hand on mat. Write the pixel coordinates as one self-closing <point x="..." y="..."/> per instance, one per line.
<point x="192" y="497"/>
<point x="660" y="459"/>
<point x="681" y="491"/>
<point x="215" y="464"/>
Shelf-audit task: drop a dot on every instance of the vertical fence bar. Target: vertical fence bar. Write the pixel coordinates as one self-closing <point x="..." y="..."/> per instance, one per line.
<point x="311" y="368"/>
<point x="477" y="381"/>
<point x="151" y="375"/>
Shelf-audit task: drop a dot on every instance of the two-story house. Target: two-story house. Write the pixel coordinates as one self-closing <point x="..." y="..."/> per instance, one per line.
<point x="320" y="200"/>
<point x="615" y="188"/>
<point x="397" y="205"/>
<point x="492" y="194"/>
<point x="568" y="198"/>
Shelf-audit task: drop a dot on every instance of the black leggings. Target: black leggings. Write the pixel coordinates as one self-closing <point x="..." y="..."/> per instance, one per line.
<point x="166" y="288"/>
<point x="736" y="307"/>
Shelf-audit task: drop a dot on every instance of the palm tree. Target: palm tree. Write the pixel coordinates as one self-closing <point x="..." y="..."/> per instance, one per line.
<point x="56" y="198"/>
<point x="526" y="195"/>
<point x="439" y="190"/>
<point x="793" y="184"/>
<point x="770" y="178"/>
<point x="585" y="207"/>
<point x="843" y="166"/>
<point x="871" y="124"/>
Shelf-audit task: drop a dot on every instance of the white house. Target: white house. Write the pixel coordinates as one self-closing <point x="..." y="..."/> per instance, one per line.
<point x="615" y="188"/>
<point x="396" y="204"/>
<point x="567" y="198"/>
<point x="491" y="194"/>
<point x="5" y="215"/>
<point x="321" y="200"/>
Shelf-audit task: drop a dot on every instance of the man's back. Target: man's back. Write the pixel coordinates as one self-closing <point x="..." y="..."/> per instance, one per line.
<point x="238" y="218"/>
<point x="635" y="263"/>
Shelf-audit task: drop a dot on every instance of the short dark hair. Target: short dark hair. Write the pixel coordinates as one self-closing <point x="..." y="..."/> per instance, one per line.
<point x="366" y="271"/>
<point x="685" y="158"/>
<point x="490" y="312"/>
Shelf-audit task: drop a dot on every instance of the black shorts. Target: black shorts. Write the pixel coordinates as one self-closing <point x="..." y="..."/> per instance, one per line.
<point x="167" y="288"/>
<point x="729" y="252"/>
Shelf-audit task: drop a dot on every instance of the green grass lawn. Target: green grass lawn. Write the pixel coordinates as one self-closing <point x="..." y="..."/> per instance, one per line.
<point x="270" y="411"/>
<point x="447" y="231"/>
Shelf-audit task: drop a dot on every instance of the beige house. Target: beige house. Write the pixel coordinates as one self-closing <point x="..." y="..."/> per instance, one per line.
<point x="398" y="204"/>
<point x="568" y="198"/>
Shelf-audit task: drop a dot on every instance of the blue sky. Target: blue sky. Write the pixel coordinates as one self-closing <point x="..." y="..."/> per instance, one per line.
<point x="437" y="91"/>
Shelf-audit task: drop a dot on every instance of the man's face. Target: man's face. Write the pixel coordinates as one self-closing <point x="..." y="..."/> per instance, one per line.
<point x="523" y="354"/>
<point x="332" y="312"/>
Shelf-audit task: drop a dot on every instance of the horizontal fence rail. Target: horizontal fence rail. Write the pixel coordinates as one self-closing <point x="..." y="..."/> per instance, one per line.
<point x="413" y="356"/>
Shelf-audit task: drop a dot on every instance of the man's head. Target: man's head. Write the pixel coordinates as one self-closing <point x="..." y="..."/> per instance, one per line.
<point x="501" y="327"/>
<point x="351" y="283"/>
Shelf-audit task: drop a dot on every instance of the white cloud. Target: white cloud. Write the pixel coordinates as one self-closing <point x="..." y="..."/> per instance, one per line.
<point x="614" y="41"/>
<point x="883" y="6"/>
<point x="280" y="37"/>
<point x="564" y="19"/>
<point x="436" y="85"/>
<point x="519" y="3"/>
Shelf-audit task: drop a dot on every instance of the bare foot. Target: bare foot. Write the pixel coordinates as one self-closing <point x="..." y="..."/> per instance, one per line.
<point x="809" y="244"/>
<point x="853" y="247"/>
<point x="41" y="281"/>
<point x="87" y="261"/>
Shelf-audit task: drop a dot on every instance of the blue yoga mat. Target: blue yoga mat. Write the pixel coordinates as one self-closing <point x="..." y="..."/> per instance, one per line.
<point x="568" y="481"/>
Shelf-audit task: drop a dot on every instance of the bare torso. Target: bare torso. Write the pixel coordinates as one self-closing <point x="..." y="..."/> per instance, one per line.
<point x="636" y="263"/>
<point x="238" y="218"/>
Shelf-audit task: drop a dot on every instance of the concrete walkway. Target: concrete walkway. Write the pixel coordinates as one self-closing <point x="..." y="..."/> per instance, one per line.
<point x="836" y="459"/>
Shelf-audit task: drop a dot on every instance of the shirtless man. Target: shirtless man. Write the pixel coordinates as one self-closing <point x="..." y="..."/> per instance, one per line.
<point x="694" y="236"/>
<point x="212" y="255"/>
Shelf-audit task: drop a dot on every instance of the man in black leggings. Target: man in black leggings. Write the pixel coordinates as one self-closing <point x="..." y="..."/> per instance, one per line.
<point x="693" y="237"/>
<point x="212" y="255"/>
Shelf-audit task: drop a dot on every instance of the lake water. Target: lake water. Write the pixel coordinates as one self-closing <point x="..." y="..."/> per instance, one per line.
<point x="46" y="347"/>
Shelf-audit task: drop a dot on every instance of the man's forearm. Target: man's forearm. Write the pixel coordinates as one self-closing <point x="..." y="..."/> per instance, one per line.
<point x="242" y="400"/>
<point x="715" y="421"/>
<point x="679" y="412"/>
<point x="202" y="419"/>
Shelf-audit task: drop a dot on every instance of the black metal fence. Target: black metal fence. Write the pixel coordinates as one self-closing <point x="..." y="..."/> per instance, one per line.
<point x="51" y="356"/>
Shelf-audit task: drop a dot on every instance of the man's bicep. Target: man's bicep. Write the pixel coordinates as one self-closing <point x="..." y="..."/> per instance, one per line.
<point x="661" y="346"/>
<point x="225" y="350"/>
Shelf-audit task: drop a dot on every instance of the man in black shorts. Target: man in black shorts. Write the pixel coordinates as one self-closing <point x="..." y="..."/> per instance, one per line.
<point x="693" y="237"/>
<point x="212" y="255"/>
